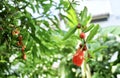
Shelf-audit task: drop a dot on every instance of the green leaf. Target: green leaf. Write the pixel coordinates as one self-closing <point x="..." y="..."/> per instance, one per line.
<point x="37" y="40"/>
<point x="32" y="7"/>
<point x="100" y="48"/>
<point x="83" y="14"/>
<point x="34" y="52"/>
<point x="62" y="70"/>
<point x="63" y="16"/>
<point x="89" y="28"/>
<point x="29" y="45"/>
<point x="72" y="16"/>
<point x="54" y="22"/>
<point x="37" y="7"/>
<point x="46" y="7"/>
<point x="70" y="32"/>
<point x="56" y="18"/>
<point x="46" y="23"/>
<point x="96" y="75"/>
<point x="87" y="20"/>
<point x="3" y="61"/>
<point x="69" y="7"/>
<point x="111" y="29"/>
<point x="93" y="32"/>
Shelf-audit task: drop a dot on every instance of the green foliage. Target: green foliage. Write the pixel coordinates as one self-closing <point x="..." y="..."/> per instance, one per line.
<point x="85" y="18"/>
<point x="89" y="28"/>
<point x="42" y="35"/>
<point x="93" y="32"/>
<point x="49" y="49"/>
<point x="102" y="59"/>
<point x="70" y="32"/>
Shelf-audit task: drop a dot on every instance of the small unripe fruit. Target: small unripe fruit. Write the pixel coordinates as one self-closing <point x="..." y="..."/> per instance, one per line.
<point x="18" y="43"/>
<point x="84" y="48"/>
<point x="23" y="48"/>
<point x="78" y="26"/>
<point x="20" y="38"/>
<point x="24" y="56"/>
<point x="1" y="28"/>
<point x="80" y="45"/>
<point x="82" y="35"/>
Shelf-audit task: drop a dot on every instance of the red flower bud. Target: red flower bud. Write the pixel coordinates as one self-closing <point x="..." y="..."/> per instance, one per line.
<point x="82" y="35"/>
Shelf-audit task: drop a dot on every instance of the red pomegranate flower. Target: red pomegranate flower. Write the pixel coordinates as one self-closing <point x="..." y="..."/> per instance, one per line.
<point x="78" y="58"/>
